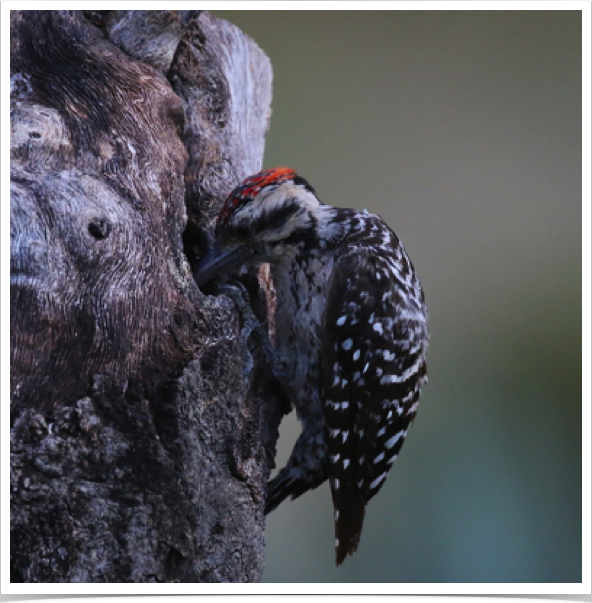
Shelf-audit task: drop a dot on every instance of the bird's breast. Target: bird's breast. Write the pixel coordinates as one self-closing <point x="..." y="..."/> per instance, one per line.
<point x="301" y="286"/>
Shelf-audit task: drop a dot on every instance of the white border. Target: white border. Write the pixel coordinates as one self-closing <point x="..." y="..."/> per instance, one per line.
<point x="8" y="588"/>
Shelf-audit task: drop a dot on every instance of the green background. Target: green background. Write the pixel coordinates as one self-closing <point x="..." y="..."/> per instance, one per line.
<point x="462" y="129"/>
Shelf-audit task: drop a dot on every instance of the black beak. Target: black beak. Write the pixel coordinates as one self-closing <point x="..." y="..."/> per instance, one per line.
<point x="218" y="261"/>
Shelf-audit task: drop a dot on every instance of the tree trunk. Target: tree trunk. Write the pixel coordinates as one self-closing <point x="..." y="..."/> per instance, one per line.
<point x="142" y="429"/>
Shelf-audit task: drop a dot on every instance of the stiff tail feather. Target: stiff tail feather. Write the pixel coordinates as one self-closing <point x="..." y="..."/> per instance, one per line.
<point x="349" y="519"/>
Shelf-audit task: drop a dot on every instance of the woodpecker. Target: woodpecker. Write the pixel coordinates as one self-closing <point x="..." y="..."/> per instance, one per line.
<point x="351" y="335"/>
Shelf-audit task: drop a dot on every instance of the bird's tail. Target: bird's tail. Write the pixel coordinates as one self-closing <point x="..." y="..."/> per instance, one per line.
<point x="349" y="511"/>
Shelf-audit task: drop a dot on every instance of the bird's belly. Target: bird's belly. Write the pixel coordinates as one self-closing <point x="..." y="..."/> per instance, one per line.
<point x="297" y="347"/>
<point x="301" y="296"/>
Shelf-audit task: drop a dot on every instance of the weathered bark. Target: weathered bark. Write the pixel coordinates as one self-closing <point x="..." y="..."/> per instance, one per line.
<point x="142" y="434"/>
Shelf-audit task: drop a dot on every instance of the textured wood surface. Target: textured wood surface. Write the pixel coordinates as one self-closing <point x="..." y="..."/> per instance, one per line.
<point x="140" y="444"/>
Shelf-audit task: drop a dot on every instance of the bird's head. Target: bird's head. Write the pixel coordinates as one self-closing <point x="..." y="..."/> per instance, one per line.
<point x="264" y="217"/>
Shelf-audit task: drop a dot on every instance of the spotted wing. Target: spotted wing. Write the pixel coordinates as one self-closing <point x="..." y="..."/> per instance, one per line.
<point x="372" y="367"/>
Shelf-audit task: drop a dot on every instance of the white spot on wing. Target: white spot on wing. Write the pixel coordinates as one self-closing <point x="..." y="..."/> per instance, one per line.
<point x="377" y="481"/>
<point x="392" y="441"/>
<point x="347" y="344"/>
<point x="400" y="378"/>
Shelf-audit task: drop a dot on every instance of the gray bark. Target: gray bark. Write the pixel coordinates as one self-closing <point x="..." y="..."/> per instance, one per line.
<point x="142" y="428"/>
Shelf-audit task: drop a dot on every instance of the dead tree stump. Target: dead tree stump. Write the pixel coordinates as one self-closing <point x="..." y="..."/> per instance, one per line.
<point x="143" y="428"/>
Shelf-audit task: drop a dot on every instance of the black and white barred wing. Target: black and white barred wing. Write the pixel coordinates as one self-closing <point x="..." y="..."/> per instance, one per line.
<point x="372" y="368"/>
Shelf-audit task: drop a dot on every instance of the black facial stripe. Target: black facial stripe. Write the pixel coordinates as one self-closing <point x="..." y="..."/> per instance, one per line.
<point x="272" y="220"/>
<point x="299" y="180"/>
<point x="268" y="221"/>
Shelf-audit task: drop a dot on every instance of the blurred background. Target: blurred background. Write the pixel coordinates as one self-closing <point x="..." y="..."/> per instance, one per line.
<point x="462" y="129"/>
